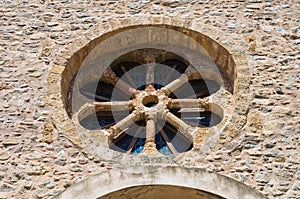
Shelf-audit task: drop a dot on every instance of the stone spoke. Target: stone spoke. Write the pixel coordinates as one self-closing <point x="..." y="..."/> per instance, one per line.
<point x="188" y="103"/>
<point x="127" y="89"/>
<point x="186" y="129"/>
<point x="107" y="125"/>
<point x="117" y="129"/>
<point x="177" y="83"/>
<point x="114" y="105"/>
<point x="150" y="145"/>
<point x="150" y="74"/>
<point x="110" y="77"/>
<point x="167" y="140"/>
<point x="120" y="136"/>
<point x="150" y="130"/>
<point x="134" y="140"/>
<point x="174" y="85"/>
<point x="170" y="75"/>
<point x="190" y="72"/>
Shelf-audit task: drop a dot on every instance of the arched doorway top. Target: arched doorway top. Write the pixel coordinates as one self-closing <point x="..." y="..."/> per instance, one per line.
<point x="193" y="178"/>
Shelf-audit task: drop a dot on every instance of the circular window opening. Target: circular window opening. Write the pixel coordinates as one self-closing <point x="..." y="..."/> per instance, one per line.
<point x="151" y="98"/>
<point x="148" y="100"/>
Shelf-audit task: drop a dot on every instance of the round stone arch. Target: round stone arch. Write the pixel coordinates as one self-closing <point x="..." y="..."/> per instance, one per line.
<point x="225" y="51"/>
<point x="191" y="182"/>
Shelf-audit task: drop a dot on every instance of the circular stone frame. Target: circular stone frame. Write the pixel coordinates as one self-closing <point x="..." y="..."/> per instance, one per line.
<point x="225" y="52"/>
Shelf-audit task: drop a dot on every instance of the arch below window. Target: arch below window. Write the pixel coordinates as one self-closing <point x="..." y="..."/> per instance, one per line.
<point x="189" y="180"/>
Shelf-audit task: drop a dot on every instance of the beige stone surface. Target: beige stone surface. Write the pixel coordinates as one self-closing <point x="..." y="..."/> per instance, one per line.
<point x="40" y="158"/>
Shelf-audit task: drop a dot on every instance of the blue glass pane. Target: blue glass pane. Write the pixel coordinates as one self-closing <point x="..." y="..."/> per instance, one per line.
<point x="139" y="146"/>
<point x="178" y="140"/>
<point x="161" y="145"/>
<point x="122" y="145"/>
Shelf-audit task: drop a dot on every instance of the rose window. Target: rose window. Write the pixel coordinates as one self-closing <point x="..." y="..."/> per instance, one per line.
<point x="151" y="101"/>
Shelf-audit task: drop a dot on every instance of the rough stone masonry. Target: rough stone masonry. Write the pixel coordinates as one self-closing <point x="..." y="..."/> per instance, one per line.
<point x="38" y="161"/>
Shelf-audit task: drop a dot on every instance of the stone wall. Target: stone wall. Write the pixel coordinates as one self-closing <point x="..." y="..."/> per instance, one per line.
<point x="38" y="160"/>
